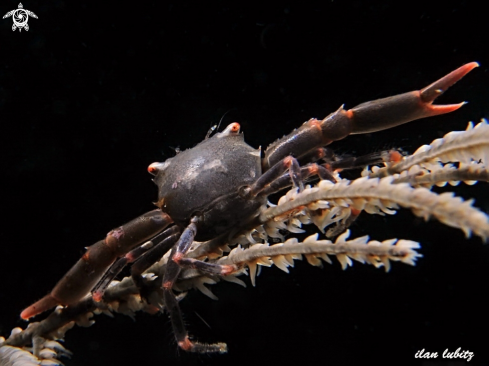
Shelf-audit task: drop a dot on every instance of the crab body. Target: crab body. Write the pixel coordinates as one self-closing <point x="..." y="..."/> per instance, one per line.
<point x="205" y="182"/>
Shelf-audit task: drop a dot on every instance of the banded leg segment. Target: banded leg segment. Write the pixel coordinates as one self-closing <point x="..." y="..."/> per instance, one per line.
<point x="325" y="170"/>
<point x="275" y="172"/>
<point x="306" y="172"/>
<point x="173" y="269"/>
<point x="355" y="162"/>
<point x="145" y="255"/>
<point x="162" y="244"/>
<point x="88" y="271"/>
<point x="367" y="117"/>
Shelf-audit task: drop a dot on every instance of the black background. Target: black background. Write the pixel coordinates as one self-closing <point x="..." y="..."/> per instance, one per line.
<point x="94" y="92"/>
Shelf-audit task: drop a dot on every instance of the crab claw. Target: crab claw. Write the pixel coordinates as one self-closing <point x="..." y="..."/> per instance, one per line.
<point x="433" y="91"/>
<point x="393" y="111"/>
<point x="376" y="115"/>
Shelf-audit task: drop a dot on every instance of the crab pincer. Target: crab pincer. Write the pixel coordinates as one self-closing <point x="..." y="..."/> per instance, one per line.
<point x="376" y="115"/>
<point x="393" y="111"/>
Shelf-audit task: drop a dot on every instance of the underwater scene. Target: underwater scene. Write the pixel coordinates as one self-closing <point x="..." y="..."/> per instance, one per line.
<point x="93" y="93"/>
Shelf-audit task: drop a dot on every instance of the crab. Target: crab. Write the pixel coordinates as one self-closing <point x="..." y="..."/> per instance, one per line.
<point x="217" y="193"/>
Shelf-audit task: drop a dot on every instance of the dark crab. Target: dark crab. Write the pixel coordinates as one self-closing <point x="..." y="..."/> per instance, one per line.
<point x="215" y="191"/>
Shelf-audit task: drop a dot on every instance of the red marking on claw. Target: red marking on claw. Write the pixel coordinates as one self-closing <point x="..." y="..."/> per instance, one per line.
<point x="435" y="109"/>
<point x="431" y="92"/>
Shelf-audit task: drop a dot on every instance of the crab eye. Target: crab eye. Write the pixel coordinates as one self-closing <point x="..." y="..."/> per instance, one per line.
<point x="152" y="169"/>
<point x="233" y="128"/>
<point x="156" y="167"/>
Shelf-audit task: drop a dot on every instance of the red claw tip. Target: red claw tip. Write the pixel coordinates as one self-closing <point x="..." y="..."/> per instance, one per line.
<point x="46" y="303"/>
<point x="436" y="109"/>
<point x="434" y="90"/>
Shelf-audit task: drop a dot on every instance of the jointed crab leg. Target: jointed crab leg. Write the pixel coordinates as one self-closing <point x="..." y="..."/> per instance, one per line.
<point x="289" y="164"/>
<point x="163" y="243"/>
<point x="325" y="171"/>
<point x="274" y="178"/>
<point x="172" y="271"/>
<point x="367" y="117"/>
<point x="86" y="273"/>
<point x="145" y="255"/>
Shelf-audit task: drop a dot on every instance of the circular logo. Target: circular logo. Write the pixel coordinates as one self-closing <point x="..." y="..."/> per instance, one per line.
<point x="20" y="17"/>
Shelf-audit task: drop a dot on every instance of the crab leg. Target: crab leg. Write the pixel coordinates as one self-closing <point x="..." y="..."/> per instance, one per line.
<point x="323" y="171"/>
<point x="162" y="243"/>
<point x="142" y="254"/>
<point x="289" y="163"/>
<point x="172" y="271"/>
<point x="88" y="271"/>
<point x="367" y="117"/>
